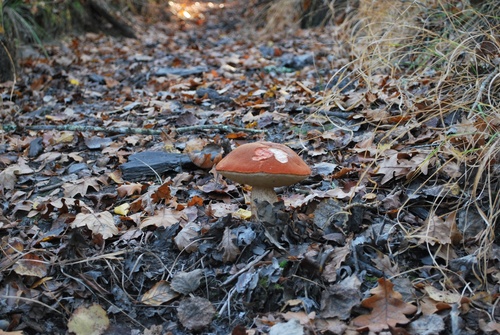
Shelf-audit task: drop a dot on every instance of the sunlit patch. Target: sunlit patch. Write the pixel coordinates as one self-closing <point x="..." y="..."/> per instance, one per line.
<point x="187" y="10"/>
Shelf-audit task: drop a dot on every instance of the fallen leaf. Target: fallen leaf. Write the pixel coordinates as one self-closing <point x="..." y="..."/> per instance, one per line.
<point x="442" y="296"/>
<point x="388" y="309"/>
<point x="427" y="325"/>
<point x="8" y="178"/>
<point x="231" y="251"/>
<point x="128" y="190"/>
<point x="186" y="238"/>
<point x="80" y="187"/>
<point x="165" y="217"/>
<point x="384" y="264"/>
<point x="31" y="265"/>
<point x="122" y="209"/>
<point x="292" y="327"/>
<point x="429" y="306"/>
<point x="339" y="299"/>
<point x="186" y="282"/>
<point x="437" y="230"/>
<point x="160" y="293"/>
<point x="393" y="168"/>
<point x="88" y="321"/>
<point x="99" y="223"/>
<point x="195" y="313"/>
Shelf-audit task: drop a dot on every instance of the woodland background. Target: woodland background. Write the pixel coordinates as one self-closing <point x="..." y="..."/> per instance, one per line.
<point x="113" y="219"/>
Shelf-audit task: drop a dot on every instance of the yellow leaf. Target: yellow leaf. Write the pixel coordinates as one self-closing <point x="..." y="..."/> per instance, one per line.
<point x="74" y="81"/>
<point x="122" y="209"/>
<point x="243" y="214"/>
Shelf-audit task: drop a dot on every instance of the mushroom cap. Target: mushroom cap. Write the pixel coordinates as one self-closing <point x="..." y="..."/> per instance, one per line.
<point x="263" y="164"/>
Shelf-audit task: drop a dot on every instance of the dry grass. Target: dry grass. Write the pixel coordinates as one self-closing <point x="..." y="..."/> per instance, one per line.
<point x="434" y="67"/>
<point x="440" y="62"/>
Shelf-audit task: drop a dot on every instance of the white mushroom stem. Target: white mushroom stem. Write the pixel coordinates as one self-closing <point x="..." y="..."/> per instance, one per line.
<point x="261" y="194"/>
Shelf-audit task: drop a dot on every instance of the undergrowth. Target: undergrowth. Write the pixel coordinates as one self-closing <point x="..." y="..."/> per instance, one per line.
<point x="430" y="70"/>
<point x="434" y="66"/>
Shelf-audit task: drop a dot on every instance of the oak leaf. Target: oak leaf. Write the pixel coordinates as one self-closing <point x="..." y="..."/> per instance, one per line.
<point x="80" y="187"/>
<point x="99" y="223"/>
<point x="393" y="168"/>
<point x="388" y="309"/>
<point x="129" y="189"/>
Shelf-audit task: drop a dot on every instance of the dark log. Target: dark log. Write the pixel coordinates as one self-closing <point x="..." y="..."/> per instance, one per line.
<point x="148" y="164"/>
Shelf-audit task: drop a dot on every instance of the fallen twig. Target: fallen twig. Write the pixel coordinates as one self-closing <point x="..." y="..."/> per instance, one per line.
<point x="248" y="266"/>
<point x="128" y="130"/>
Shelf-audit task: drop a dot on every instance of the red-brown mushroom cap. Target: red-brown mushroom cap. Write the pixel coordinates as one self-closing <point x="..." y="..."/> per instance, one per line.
<point x="263" y="164"/>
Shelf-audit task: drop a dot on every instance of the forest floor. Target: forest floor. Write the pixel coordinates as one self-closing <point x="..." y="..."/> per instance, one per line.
<point x="99" y="239"/>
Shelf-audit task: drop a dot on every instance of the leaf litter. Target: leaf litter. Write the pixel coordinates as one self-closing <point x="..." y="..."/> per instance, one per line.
<point x="122" y="220"/>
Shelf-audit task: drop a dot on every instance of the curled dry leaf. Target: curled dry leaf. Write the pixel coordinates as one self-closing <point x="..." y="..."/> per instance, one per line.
<point x="231" y="251"/>
<point x="207" y="157"/>
<point x="185" y="239"/>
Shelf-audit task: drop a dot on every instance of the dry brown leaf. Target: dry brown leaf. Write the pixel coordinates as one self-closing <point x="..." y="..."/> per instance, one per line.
<point x="442" y="296"/>
<point x="186" y="282"/>
<point x="339" y="255"/>
<point x="437" y="230"/>
<point x="80" y="187"/>
<point x="384" y="264"/>
<point x="195" y="313"/>
<point x="219" y="210"/>
<point x="160" y="293"/>
<point x="186" y="238"/>
<point x="388" y="309"/>
<point x="231" y="251"/>
<point x="8" y="178"/>
<point x="162" y="192"/>
<point x="302" y="317"/>
<point x="165" y="217"/>
<point x="393" y="168"/>
<point x="429" y="306"/>
<point x="99" y="223"/>
<point x="492" y="326"/>
<point x="88" y="321"/>
<point x="130" y="189"/>
<point x="31" y="265"/>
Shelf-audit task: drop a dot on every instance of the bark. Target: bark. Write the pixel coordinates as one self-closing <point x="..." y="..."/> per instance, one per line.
<point x="7" y="63"/>
<point x="101" y="11"/>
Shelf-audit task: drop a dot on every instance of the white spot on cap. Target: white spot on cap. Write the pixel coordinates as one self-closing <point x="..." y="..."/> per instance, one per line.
<point x="279" y="155"/>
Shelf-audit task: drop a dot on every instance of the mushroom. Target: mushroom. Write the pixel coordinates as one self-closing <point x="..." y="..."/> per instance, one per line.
<point x="263" y="165"/>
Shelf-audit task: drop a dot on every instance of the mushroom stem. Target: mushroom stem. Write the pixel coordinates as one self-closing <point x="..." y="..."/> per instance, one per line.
<point x="261" y="194"/>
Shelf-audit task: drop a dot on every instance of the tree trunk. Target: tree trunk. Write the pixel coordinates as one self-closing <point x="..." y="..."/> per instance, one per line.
<point x="7" y="60"/>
